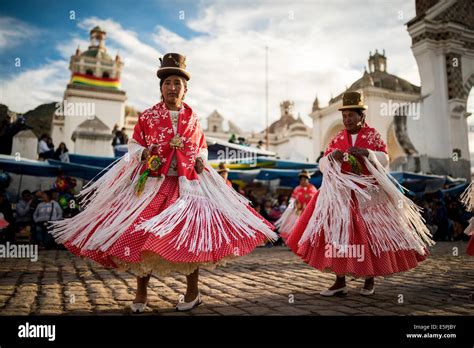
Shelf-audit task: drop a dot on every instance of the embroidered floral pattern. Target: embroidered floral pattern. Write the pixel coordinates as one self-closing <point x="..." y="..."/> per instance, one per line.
<point x="373" y="138"/>
<point x="370" y="139"/>
<point x="333" y="143"/>
<point x="180" y="147"/>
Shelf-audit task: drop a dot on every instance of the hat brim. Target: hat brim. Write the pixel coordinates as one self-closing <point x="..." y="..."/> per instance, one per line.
<point x="164" y="72"/>
<point x="223" y="170"/>
<point x="361" y="107"/>
<point x="304" y="176"/>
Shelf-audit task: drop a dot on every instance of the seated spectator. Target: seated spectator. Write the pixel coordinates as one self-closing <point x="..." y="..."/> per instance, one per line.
<point x="62" y="153"/>
<point x="44" y="150"/>
<point x="48" y="210"/>
<point x="25" y="208"/>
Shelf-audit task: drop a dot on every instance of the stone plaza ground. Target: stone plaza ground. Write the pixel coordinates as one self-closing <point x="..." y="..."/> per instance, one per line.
<point x="269" y="281"/>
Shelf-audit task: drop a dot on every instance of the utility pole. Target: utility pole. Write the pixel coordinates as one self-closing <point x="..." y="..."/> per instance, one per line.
<point x="266" y="97"/>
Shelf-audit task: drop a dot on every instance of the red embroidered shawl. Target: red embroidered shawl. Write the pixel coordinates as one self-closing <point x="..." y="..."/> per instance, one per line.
<point x="154" y="127"/>
<point x="367" y="138"/>
<point x="304" y="194"/>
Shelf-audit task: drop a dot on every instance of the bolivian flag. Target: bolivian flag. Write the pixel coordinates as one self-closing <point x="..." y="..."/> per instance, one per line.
<point x="88" y="80"/>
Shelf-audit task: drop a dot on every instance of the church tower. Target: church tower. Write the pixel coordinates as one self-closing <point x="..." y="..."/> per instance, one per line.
<point x="93" y="94"/>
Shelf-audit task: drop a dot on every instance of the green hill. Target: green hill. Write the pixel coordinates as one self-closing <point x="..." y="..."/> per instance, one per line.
<point x="39" y="118"/>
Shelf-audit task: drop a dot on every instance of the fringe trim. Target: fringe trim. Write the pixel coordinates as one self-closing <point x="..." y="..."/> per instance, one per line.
<point x="203" y="212"/>
<point x="470" y="229"/>
<point x="467" y="197"/>
<point x="332" y="209"/>
<point x="396" y="224"/>
<point x="111" y="202"/>
<point x="288" y="219"/>
<point x="392" y="220"/>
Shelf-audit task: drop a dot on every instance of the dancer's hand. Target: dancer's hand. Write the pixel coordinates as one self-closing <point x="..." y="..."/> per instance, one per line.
<point x="199" y="165"/>
<point x="358" y="151"/>
<point x="338" y="155"/>
<point x="145" y="154"/>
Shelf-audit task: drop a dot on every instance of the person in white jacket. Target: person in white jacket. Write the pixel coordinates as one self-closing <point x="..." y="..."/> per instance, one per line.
<point x="46" y="211"/>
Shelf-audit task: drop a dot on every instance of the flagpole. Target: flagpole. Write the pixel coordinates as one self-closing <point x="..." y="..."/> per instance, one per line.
<point x="266" y="97"/>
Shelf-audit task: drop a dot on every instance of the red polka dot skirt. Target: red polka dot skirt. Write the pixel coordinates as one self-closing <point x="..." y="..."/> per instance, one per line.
<point x="132" y="245"/>
<point x="358" y="264"/>
<point x="470" y="246"/>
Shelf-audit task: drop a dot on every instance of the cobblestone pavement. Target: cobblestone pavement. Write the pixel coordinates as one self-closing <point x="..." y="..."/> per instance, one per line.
<point x="269" y="281"/>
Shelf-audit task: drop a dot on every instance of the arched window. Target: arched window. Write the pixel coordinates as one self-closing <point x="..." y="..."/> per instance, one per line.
<point x="214" y="129"/>
<point x="89" y="72"/>
<point x="106" y="75"/>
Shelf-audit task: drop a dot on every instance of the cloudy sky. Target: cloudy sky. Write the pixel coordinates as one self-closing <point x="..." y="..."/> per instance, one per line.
<point x="314" y="48"/>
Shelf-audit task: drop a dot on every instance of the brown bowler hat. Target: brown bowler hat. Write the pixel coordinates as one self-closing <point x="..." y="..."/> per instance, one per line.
<point x="173" y="64"/>
<point x="353" y="100"/>
<point x="304" y="173"/>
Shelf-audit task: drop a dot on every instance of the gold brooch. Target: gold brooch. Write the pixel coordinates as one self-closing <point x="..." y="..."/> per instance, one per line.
<point x="176" y="142"/>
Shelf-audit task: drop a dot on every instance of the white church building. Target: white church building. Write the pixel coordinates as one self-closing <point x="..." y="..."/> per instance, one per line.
<point x="289" y="137"/>
<point x="424" y="127"/>
<point x="93" y="101"/>
<point x="392" y="104"/>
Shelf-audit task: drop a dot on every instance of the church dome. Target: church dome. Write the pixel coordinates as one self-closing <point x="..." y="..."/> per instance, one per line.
<point x="377" y="76"/>
<point x="384" y="80"/>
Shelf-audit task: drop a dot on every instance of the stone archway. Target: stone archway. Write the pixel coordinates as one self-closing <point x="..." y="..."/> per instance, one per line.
<point x="468" y="85"/>
<point x="400" y="159"/>
<point x="397" y="156"/>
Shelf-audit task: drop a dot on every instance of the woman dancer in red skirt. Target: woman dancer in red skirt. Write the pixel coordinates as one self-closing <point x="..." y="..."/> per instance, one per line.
<point x="161" y="208"/>
<point x="300" y="197"/>
<point x="359" y="223"/>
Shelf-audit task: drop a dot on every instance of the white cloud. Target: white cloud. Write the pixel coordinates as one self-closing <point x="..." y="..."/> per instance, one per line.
<point x="164" y="37"/>
<point x="28" y="89"/>
<point x="67" y="48"/>
<point x="14" y="31"/>
<point x="314" y="47"/>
